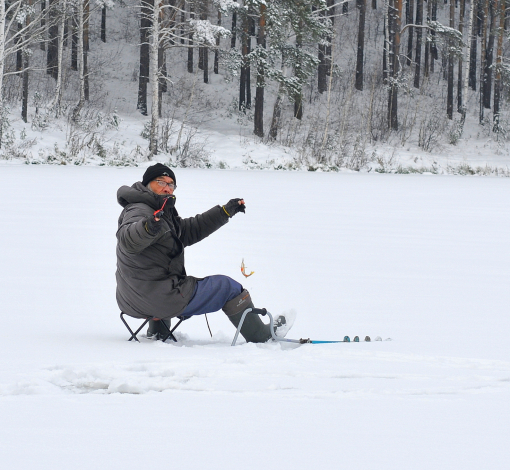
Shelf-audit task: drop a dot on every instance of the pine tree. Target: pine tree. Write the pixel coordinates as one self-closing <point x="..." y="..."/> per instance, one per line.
<point x="419" y="33"/>
<point x="362" y="6"/>
<point x="103" y="23"/>
<point x="433" y="45"/>
<point x="473" y="49"/>
<point x="259" y="94"/>
<point x="322" y="67"/>
<point x="233" y="30"/>
<point x="410" y="33"/>
<point x="217" y="51"/>
<point x="489" y="54"/>
<point x="386" y="46"/>
<point x="291" y="31"/>
<point x="204" y="49"/>
<point x="499" y="64"/>
<point x="143" y="77"/>
<point x="483" y="58"/>
<point x="428" y="43"/>
<point x="74" y="39"/>
<point x="298" y="96"/>
<point x="42" y="44"/>
<point x="190" y="39"/>
<point x="449" y="98"/>
<point x="244" y="79"/>
<point x="459" y="78"/>
<point x="329" y="40"/>
<point x="394" y="27"/>
<point x="52" y="51"/>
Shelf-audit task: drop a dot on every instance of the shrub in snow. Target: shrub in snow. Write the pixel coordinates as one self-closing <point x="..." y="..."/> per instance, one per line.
<point x="192" y="153"/>
<point x="6" y="133"/>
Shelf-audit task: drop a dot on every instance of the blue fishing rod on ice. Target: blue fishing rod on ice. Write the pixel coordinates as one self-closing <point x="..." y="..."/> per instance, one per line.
<point x="263" y="312"/>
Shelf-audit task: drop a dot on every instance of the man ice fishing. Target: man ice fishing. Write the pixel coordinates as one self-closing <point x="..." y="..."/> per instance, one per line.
<point x="151" y="277"/>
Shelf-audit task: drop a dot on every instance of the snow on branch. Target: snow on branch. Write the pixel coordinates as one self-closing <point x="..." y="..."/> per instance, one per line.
<point x="109" y="4"/>
<point x="226" y="6"/>
<point x="206" y="33"/>
<point x="440" y="28"/>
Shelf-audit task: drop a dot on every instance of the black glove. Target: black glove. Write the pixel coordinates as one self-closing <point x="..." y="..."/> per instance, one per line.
<point x="233" y="206"/>
<point x="160" y="198"/>
<point x="152" y="227"/>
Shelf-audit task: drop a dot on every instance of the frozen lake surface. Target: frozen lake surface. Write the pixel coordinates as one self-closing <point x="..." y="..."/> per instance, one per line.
<point x="423" y="260"/>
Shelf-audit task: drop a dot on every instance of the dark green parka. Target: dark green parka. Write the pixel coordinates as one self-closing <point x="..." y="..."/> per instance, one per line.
<point x="151" y="279"/>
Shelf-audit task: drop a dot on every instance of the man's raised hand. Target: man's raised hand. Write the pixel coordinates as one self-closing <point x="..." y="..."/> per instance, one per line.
<point x="234" y="206"/>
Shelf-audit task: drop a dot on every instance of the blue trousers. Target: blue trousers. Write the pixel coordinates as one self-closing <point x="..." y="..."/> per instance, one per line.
<point x="211" y="294"/>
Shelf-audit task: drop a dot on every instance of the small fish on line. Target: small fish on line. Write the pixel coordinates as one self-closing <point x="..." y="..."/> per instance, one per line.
<point x="243" y="270"/>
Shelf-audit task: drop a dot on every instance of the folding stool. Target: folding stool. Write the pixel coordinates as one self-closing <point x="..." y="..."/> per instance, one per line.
<point x="147" y="319"/>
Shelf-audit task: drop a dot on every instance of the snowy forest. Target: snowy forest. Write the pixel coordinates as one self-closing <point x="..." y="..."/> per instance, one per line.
<point x="297" y="84"/>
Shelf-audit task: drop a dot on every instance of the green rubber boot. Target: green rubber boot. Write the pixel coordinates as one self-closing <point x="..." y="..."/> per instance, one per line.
<point x="156" y="330"/>
<point x="254" y="330"/>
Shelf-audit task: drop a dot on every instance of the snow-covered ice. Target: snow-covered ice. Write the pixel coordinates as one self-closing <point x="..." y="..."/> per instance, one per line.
<point x="423" y="260"/>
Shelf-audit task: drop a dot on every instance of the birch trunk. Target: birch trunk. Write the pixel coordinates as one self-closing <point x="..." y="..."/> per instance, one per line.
<point x="86" y="47"/>
<point x="466" y="61"/>
<point x="81" y="75"/>
<point x="25" y="65"/>
<point x="58" y="87"/>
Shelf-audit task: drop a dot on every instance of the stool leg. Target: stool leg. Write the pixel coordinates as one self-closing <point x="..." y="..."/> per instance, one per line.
<point x="170" y="332"/>
<point x="133" y="335"/>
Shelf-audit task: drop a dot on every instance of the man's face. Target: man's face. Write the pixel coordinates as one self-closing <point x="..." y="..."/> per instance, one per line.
<point x="160" y="185"/>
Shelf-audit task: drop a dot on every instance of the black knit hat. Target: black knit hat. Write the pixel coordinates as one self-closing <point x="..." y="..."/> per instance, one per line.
<point x="157" y="170"/>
